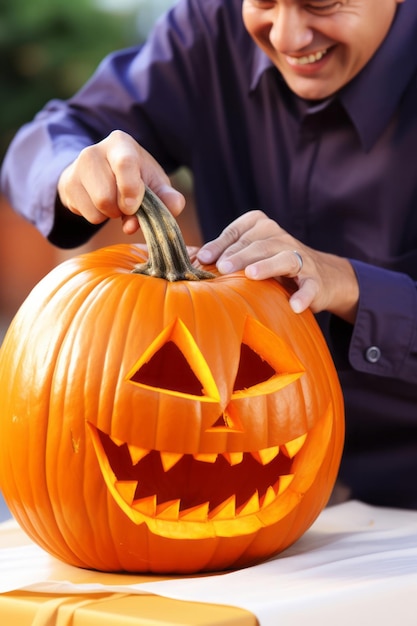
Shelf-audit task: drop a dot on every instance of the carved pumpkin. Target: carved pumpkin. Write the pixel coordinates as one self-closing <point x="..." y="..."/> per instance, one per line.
<point x="149" y="425"/>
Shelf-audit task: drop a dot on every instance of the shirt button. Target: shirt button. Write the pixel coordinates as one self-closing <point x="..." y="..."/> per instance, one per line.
<point x="373" y="354"/>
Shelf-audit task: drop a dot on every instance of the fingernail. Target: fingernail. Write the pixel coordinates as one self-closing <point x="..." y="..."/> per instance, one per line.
<point x="205" y="256"/>
<point x="225" y="267"/>
<point x="173" y="199"/>
<point x="251" y="271"/>
<point x="131" y="203"/>
<point x="167" y="189"/>
<point x="296" y="305"/>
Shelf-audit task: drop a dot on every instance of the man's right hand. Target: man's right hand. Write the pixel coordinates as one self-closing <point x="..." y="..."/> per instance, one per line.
<point x="107" y="181"/>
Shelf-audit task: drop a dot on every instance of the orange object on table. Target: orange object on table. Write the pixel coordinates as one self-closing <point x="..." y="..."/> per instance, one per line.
<point x="26" y="609"/>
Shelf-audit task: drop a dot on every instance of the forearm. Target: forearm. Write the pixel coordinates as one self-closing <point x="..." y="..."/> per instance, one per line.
<point x="33" y="165"/>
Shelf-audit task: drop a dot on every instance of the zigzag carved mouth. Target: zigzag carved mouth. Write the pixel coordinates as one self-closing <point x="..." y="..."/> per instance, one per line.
<point x="197" y="487"/>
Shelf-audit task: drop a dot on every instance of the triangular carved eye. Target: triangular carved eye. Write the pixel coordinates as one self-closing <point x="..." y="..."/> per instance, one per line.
<point x="173" y="364"/>
<point x="267" y="363"/>
<point x="252" y="369"/>
<point x="168" y="368"/>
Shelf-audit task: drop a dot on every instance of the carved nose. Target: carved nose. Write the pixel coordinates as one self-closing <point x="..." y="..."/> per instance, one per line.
<point x="228" y="422"/>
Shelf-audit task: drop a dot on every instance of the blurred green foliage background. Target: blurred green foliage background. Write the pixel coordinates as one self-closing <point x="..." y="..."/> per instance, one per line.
<point x="48" y="48"/>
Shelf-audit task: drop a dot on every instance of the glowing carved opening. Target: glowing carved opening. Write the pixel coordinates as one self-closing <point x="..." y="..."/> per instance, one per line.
<point x="173" y="364"/>
<point x="169" y="369"/>
<point x="193" y="482"/>
<point x="267" y="363"/>
<point x="252" y="369"/>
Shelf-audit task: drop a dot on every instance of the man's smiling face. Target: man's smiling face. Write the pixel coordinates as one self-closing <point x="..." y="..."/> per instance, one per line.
<point x="318" y="45"/>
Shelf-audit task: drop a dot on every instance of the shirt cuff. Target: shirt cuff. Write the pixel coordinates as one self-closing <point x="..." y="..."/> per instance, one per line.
<point x="384" y="340"/>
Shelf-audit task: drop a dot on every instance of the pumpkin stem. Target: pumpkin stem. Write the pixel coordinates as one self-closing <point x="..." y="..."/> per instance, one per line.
<point x="168" y="256"/>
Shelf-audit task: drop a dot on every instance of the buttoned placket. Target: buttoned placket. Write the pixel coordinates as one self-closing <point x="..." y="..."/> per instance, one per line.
<point x="302" y="171"/>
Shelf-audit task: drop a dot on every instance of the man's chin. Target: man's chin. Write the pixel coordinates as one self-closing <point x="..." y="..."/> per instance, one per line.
<point x="311" y="89"/>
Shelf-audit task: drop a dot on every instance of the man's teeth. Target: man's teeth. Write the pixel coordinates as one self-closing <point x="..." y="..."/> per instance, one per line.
<point x="309" y="58"/>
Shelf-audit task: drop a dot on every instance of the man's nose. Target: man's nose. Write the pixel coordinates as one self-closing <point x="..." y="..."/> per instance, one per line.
<point x="291" y="30"/>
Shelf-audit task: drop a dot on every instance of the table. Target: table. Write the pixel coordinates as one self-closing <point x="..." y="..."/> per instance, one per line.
<point x="357" y="564"/>
<point x="34" y="608"/>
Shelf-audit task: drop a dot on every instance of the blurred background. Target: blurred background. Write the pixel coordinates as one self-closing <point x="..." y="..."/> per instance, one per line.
<point x="48" y="49"/>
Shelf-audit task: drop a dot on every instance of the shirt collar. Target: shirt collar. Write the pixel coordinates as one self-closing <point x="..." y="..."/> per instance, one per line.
<point x="260" y="63"/>
<point x="371" y="98"/>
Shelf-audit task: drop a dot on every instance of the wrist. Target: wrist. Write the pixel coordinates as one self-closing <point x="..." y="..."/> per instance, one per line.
<point x="345" y="298"/>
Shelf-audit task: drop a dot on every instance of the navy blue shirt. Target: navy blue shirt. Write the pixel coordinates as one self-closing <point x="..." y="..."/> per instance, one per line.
<point x="340" y="175"/>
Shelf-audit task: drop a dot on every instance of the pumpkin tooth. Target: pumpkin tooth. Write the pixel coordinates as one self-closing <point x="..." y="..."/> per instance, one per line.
<point x="168" y="510"/>
<point x="169" y="459"/>
<point x="147" y="506"/>
<point x="197" y="513"/>
<point x="118" y="442"/>
<point x="225" y="510"/>
<point x="206" y="457"/>
<point x="233" y="458"/>
<point x="291" y="448"/>
<point x="284" y="482"/>
<point x="127" y="489"/>
<point x="266" y="455"/>
<point x="269" y="497"/>
<point x="250" y="506"/>
<point x="137" y="453"/>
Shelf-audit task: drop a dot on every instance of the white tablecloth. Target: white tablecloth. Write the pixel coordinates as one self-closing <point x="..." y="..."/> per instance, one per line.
<point x="356" y="565"/>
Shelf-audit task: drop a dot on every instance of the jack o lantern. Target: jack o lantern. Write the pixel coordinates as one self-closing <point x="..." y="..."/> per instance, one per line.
<point x="165" y="421"/>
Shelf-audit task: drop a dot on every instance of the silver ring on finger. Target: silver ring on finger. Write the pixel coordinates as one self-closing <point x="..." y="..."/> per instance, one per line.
<point x="299" y="259"/>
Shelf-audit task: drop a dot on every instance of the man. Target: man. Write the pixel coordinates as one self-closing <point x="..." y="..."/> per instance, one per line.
<point x="304" y="110"/>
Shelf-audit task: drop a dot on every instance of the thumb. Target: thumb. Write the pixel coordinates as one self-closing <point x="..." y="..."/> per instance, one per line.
<point x="172" y="198"/>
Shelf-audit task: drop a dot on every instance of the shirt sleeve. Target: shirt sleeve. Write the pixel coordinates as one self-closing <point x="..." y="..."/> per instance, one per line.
<point x="384" y="337"/>
<point x="31" y="170"/>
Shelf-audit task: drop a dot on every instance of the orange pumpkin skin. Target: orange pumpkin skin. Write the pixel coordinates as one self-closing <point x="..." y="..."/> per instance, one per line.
<point x="138" y="434"/>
